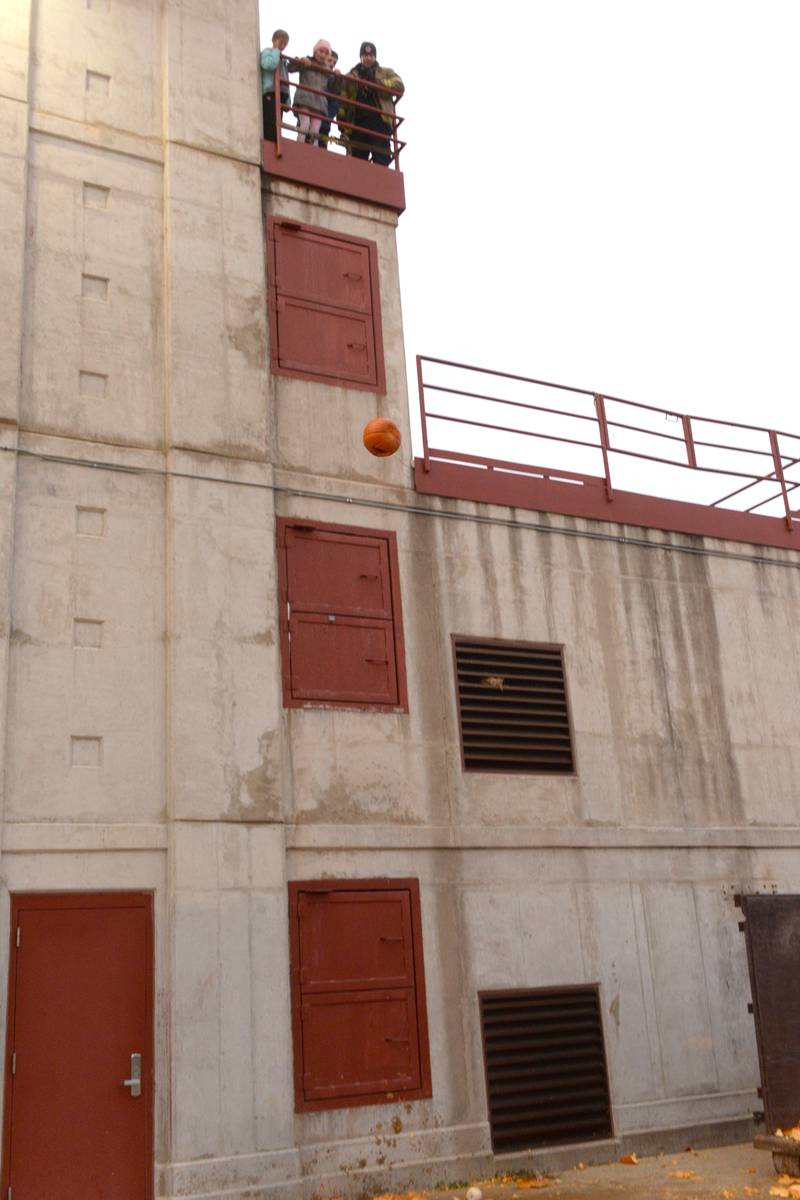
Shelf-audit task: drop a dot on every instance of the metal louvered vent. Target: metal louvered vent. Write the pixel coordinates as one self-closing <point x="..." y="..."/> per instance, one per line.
<point x="512" y="704"/>
<point x="546" y="1072"/>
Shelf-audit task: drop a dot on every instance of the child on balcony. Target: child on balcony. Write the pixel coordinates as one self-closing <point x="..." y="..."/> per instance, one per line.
<point x="271" y="66"/>
<point x="333" y="89"/>
<point x="310" y="107"/>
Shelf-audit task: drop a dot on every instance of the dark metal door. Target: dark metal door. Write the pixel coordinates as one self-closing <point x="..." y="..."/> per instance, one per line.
<point x="772" y="933"/>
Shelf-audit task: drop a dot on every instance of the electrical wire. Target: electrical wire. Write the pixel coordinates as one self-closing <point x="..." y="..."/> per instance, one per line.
<point x="414" y="509"/>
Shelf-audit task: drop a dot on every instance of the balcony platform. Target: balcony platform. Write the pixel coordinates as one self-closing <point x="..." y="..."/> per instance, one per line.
<point x="516" y="485"/>
<point x="332" y="172"/>
<point x="637" y="464"/>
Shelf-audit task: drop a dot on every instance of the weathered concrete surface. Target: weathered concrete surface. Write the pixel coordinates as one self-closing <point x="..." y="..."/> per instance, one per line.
<point x="146" y="745"/>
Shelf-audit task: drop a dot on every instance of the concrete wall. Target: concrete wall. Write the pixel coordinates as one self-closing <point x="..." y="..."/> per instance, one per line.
<point x="145" y="450"/>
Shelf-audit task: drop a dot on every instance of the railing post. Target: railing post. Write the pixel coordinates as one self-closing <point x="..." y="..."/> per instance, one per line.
<point x="277" y="80"/>
<point x="688" y="437"/>
<point x="778" y="462"/>
<point x="426" y="459"/>
<point x="605" y="446"/>
<point x="395" y="151"/>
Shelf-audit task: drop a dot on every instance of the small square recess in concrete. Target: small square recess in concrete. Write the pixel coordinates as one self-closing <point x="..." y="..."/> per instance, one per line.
<point x="88" y="634"/>
<point x="98" y="84"/>
<point x="86" y="752"/>
<point x="90" y="522"/>
<point x="95" y="195"/>
<point x="94" y="287"/>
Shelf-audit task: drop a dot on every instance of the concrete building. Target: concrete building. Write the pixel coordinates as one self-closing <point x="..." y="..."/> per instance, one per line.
<point x="204" y="788"/>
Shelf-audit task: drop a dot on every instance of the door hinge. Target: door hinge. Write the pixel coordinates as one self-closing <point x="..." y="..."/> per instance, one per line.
<point x="19" y="936"/>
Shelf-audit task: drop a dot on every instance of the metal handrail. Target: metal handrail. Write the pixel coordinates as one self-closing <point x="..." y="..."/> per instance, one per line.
<point x="605" y="426"/>
<point x="397" y="145"/>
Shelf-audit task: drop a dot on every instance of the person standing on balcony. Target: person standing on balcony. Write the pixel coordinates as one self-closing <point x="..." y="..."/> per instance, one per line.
<point x="333" y="88"/>
<point x="374" y="137"/>
<point x="311" y="107"/>
<point x="271" y="62"/>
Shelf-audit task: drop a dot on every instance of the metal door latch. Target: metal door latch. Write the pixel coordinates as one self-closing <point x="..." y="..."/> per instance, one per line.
<point x="135" y="1081"/>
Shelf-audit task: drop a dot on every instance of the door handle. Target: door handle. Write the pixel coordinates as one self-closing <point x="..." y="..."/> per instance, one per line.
<point x="135" y="1081"/>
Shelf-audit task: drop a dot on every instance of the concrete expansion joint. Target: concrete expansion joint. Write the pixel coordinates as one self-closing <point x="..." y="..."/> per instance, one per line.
<point x="98" y="135"/>
<point x="214" y="152"/>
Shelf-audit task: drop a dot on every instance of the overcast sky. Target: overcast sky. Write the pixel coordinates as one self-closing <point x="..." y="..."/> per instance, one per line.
<point x="600" y="192"/>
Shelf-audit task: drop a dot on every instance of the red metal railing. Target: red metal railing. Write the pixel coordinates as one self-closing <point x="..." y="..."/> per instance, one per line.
<point x="534" y="429"/>
<point x="347" y="137"/>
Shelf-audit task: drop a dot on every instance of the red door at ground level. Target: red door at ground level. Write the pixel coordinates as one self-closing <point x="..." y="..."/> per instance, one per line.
<point x="80" y="1009"/>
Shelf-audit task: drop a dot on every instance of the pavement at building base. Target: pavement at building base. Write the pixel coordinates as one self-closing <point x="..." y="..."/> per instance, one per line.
<point x="724" y="1173"/>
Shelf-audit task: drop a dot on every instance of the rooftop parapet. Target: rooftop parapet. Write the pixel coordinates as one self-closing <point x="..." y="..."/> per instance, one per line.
<point x="331" y="163"/>
<point x="550" y="447"/>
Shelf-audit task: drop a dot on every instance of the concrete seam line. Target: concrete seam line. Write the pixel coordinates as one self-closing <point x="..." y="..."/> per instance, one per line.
<point x="759" y="560"/>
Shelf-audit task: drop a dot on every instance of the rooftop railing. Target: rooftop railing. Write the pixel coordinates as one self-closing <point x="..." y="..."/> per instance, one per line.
<point x="350" y="129"/>
<point x="493" y="435"/>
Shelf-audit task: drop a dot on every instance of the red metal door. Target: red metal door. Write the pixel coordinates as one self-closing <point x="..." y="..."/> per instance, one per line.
<point x="80" y="1006"/>
<point x="355" y="940"/>
<point x="344" y="573"/>
<point x="342" y="659"/>
<point x="328" y="341"/>
<point x="323" y="268"/>
<point x="360" y="1043"/>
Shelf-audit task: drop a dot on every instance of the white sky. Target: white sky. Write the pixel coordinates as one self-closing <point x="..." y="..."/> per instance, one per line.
<point x="603" y="193"/>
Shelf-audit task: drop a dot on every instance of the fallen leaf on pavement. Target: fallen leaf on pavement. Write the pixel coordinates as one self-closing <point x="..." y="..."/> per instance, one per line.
<point x="748" y="1191"/>
<point x="630" y="1160"/>
<point x="779" y="1191"/>
<point x="727" y="1194"/>
<point x="682" y="1175"/>
<point x="522" y="1181"/>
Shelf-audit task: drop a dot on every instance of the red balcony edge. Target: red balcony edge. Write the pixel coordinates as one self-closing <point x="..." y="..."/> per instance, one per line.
<point x="333" y="172"/>
<point x="487" y="481"/>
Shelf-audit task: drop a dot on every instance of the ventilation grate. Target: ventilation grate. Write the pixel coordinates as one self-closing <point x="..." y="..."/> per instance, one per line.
<point x="512" y="703"/>
<point x="546" y="1071"/>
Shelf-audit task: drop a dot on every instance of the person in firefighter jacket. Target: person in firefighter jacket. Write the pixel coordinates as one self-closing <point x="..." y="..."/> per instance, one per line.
<point x="373" y="137"/>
